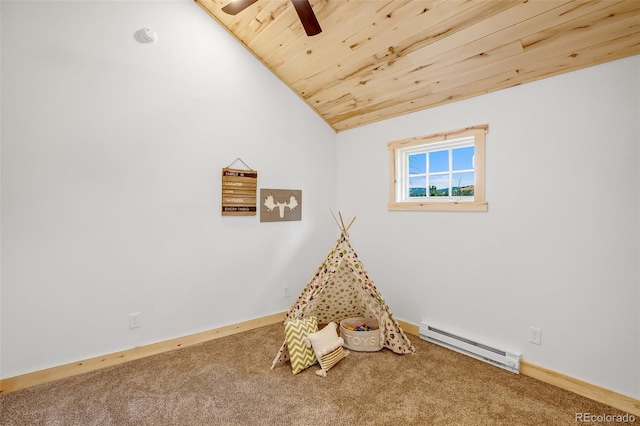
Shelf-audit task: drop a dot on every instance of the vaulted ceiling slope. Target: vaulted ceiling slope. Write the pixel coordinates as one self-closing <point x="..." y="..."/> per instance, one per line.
<point x="378" y="59"/>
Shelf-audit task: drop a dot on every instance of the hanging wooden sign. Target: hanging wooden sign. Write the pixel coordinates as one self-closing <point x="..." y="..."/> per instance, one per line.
<point x="239" y="192"/>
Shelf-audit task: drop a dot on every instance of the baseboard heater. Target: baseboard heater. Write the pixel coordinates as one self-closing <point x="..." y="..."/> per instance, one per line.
<point x="503" y="359"/>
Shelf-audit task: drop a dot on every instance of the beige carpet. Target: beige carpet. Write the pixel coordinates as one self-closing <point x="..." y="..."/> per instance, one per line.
<point x="228" y="382"/>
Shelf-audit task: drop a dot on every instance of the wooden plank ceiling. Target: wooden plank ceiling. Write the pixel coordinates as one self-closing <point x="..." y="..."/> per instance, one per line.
<point x="377" y="59"/>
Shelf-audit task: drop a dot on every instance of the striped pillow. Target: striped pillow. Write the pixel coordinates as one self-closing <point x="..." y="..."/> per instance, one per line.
<point x="329" y="360"/>
<point x="327" y="346"/>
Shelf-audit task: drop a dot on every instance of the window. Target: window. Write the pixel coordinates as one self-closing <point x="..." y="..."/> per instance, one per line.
<point x="442" y="172"/>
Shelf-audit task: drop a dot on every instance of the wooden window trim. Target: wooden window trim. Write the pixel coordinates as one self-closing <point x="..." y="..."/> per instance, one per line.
<point x="479" y="203"/>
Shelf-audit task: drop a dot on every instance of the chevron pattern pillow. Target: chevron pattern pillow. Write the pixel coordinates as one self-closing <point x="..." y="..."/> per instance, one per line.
<point x="296" y="331"/>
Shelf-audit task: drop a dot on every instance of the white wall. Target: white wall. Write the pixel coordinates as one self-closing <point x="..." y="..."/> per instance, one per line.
<point x="112" y="152"/>
<point x="558" y="248"/>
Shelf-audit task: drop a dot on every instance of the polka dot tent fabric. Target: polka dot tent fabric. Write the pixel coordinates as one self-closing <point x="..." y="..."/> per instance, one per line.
<point x="341" y="289"/>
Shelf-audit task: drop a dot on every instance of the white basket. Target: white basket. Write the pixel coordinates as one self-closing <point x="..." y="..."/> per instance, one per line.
<point x="361" y="341"/>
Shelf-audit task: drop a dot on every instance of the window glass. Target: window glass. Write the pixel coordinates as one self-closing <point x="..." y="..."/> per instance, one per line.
<point x="418" y="186"/>
<point x="438" y="161"/>
<point x="463" y="158"/>
<point x="417" y="163"/>
<point x="463" y="184"/>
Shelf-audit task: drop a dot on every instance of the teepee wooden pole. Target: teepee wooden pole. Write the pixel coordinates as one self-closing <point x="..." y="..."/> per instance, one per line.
<point x="342" y="222"/>
<point x="336" y="218"/>
<point x="350" y="222"/>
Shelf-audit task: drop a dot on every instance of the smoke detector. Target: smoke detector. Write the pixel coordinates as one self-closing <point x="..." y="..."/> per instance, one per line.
<point x="146" y="35"/>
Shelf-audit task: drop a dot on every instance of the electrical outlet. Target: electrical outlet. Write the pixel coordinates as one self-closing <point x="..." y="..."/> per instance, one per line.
<point x="134" y="320"/>
<point x="285" y="291"/>
<point x="535" y="335"/>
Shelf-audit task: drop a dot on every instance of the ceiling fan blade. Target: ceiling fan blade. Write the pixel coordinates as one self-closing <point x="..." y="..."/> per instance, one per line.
<point x="237" y="6"/>
<point x="307" y="17"/>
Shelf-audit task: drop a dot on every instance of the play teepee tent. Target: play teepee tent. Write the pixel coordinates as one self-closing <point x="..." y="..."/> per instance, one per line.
<point x="342" y="289"/>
